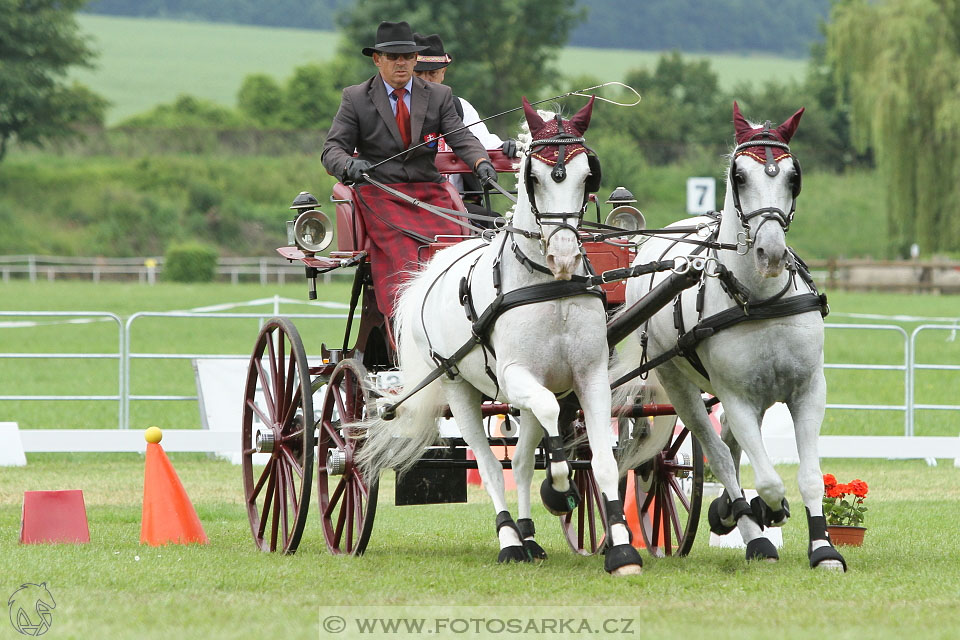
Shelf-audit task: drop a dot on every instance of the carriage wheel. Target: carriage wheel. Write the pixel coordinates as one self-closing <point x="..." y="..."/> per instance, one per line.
<point x="347" y="504"/>
<point x="585" y="528"/>
<point x="669" y="491"/>
<point x="275" y="410"/>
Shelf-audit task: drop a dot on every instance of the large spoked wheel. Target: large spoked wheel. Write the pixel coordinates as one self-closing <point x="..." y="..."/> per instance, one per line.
<point x="669" y="492"/>
<point x="275" y="414"/>
<point x="585" y="528"/>
<point x="347" y="504"/>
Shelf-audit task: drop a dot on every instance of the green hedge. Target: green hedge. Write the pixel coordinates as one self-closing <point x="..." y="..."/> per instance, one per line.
<point x="190" y="262"/>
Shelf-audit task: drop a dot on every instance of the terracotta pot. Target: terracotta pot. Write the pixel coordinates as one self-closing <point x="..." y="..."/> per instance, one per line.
<point x="842" y="535"/>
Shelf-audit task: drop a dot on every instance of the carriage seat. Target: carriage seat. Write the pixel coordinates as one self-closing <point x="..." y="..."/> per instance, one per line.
<point x="351" y="232"/>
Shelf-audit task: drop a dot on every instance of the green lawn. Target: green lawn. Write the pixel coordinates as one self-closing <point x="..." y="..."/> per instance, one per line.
<point x="144" y="62"/>
<point x="903" y="581"/>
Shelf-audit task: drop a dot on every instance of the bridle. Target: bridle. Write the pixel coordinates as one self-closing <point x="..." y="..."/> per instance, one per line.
<point x="558" y="219"/>
<point x="767" y="140"/>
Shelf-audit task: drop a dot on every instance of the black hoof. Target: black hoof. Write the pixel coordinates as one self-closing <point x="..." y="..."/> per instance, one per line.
<point x="716" y="519"/>
<point x="817" y="556"/>
<point x="768" y="517"/>
<point x="513" y="554"/>
<point x="558" y="503"/>
<point x="621" y="556"/>
<point x="761" y="549"/>
<point x="535" y="551"/>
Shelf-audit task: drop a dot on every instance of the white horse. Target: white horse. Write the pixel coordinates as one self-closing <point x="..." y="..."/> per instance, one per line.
<point x="547" y="346"/>
<point x="774" y="354"/>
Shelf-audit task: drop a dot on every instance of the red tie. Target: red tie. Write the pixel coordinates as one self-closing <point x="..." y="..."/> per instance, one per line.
<point x="403" y="117"/>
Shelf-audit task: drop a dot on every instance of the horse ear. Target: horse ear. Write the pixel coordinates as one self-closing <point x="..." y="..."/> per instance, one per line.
<point x="581" y="120"/>
<point x="789" y="127"/>
<point x="534" y="121"/>
<point x="740" y="124"/>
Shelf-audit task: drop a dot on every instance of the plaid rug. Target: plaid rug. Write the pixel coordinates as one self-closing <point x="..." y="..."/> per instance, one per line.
<point x="397" y="230"/>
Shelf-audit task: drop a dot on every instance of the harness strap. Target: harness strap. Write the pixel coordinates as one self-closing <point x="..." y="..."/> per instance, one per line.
<point x="727" y="318"/>
<point x="503" y="302"/>
<point x="447" y="214"/>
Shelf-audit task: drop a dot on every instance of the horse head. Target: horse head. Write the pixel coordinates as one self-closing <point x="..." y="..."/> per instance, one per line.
<point x="557" y="177"/>
<point x="764" y="182"/>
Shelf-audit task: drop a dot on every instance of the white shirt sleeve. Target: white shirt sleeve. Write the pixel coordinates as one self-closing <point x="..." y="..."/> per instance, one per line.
<point x="487" y="139"/>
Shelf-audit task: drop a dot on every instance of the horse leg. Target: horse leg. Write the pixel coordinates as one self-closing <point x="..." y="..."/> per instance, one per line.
<point x="807" y="413"/>
<point x="620" y="557"/>
<point x="770" y="507"/>
<point x="727" y="436"/>
<point x="725" y="512"/>
<point x="523" y="465"/>
<point x="557" y="492"/>
<point x="465" y="407"/>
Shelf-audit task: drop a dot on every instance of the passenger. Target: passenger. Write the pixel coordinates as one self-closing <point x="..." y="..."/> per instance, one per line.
<point x="432" y="65"/>
<point x="380" y="118"/>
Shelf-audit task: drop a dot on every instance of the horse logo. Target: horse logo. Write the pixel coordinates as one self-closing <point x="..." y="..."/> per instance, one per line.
<point x="30" y="607"/>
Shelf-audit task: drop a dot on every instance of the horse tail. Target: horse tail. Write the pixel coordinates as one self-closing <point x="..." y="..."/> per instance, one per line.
<point x="400" y="442"/>
<point x="637" y="449"/>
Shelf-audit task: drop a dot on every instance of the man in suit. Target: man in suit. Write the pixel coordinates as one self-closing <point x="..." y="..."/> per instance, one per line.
<point x="391" y="112"/>
<point x="367" y="120"/>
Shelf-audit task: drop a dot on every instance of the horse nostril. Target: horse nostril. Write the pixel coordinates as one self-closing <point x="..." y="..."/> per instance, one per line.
<point x="760" y="253"/>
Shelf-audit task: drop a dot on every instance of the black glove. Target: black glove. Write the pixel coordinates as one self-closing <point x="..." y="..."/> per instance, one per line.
<point x="485" y="171"/>
<point x="356" y="168"/>
<point x="509" y="148"/>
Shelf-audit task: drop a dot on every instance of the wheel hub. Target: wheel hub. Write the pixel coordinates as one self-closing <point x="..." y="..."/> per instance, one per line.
<point x="266" y="440"/>
<point x="336" y="462"/>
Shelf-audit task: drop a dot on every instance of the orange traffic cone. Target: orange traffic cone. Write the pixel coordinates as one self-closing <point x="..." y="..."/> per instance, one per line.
<point x="168" y="514"/>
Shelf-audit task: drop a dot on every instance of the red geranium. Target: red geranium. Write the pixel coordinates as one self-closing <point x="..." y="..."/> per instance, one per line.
<point x="837" y="507"/>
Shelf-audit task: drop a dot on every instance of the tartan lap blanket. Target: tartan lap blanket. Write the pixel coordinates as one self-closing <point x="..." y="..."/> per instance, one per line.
<point x="397" y="229"/>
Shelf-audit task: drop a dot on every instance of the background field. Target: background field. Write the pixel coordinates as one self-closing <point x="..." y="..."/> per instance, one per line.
<point x="176" y="377"/>
<point x="145" y="62"/>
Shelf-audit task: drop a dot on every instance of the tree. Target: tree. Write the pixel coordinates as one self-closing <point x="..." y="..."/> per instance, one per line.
<point x="502" y="49"/>
<point x="39" y="42"/>
<point x="899" y="61"/>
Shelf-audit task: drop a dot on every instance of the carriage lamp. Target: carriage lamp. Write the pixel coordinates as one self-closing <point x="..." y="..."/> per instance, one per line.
<point x="312" y="231"/>
<point x="623" y="215"/>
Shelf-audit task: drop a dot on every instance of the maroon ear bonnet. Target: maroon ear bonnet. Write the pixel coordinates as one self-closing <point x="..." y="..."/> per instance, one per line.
<point x="544" y="130"/>
<point x="745" y="132"/>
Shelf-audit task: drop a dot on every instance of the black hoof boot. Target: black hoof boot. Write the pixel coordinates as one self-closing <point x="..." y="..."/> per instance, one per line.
<point x="719" y="511"/>
<point x="621" y="559"/>
<point x="768" y="517"/>
<point x="558" y="503"/>
<point x="761" y="549"/>
<point x="527" y="532"/>
<point x="825" y="557"/>
<point x="515" y="553"/>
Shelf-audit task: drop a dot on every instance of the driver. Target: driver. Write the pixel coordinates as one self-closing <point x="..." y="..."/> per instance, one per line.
<point x="380" y="118"/>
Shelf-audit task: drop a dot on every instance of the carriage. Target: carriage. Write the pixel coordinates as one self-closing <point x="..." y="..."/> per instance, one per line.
<point x="759" y="293"/>
<point x="284" y="389"/>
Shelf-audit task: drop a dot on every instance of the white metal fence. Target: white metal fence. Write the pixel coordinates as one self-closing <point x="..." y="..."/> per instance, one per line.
<point x="127" y="353"/>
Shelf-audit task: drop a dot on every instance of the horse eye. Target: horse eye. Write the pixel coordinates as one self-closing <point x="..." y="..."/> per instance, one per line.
<point x="535" y="179"/>
<point x="740" y="177"/>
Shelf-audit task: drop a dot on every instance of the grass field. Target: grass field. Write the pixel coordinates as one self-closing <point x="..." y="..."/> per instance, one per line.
<point x="176" y="377"/>
<point x="903" y="582"/>
<point x="905" y="579"/>
<point x="144" y="62"/>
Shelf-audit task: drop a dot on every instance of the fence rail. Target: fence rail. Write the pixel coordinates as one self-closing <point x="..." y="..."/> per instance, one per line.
<point x="147" y="270"/>
<point x="936" y="276"/>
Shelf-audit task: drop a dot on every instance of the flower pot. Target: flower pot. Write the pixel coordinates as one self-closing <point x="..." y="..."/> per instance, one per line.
<point x="842" y="535"/>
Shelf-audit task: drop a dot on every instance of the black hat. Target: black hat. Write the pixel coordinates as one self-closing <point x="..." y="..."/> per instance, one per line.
<point x="394" y="37"/>
<point x="433" y="56"/>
